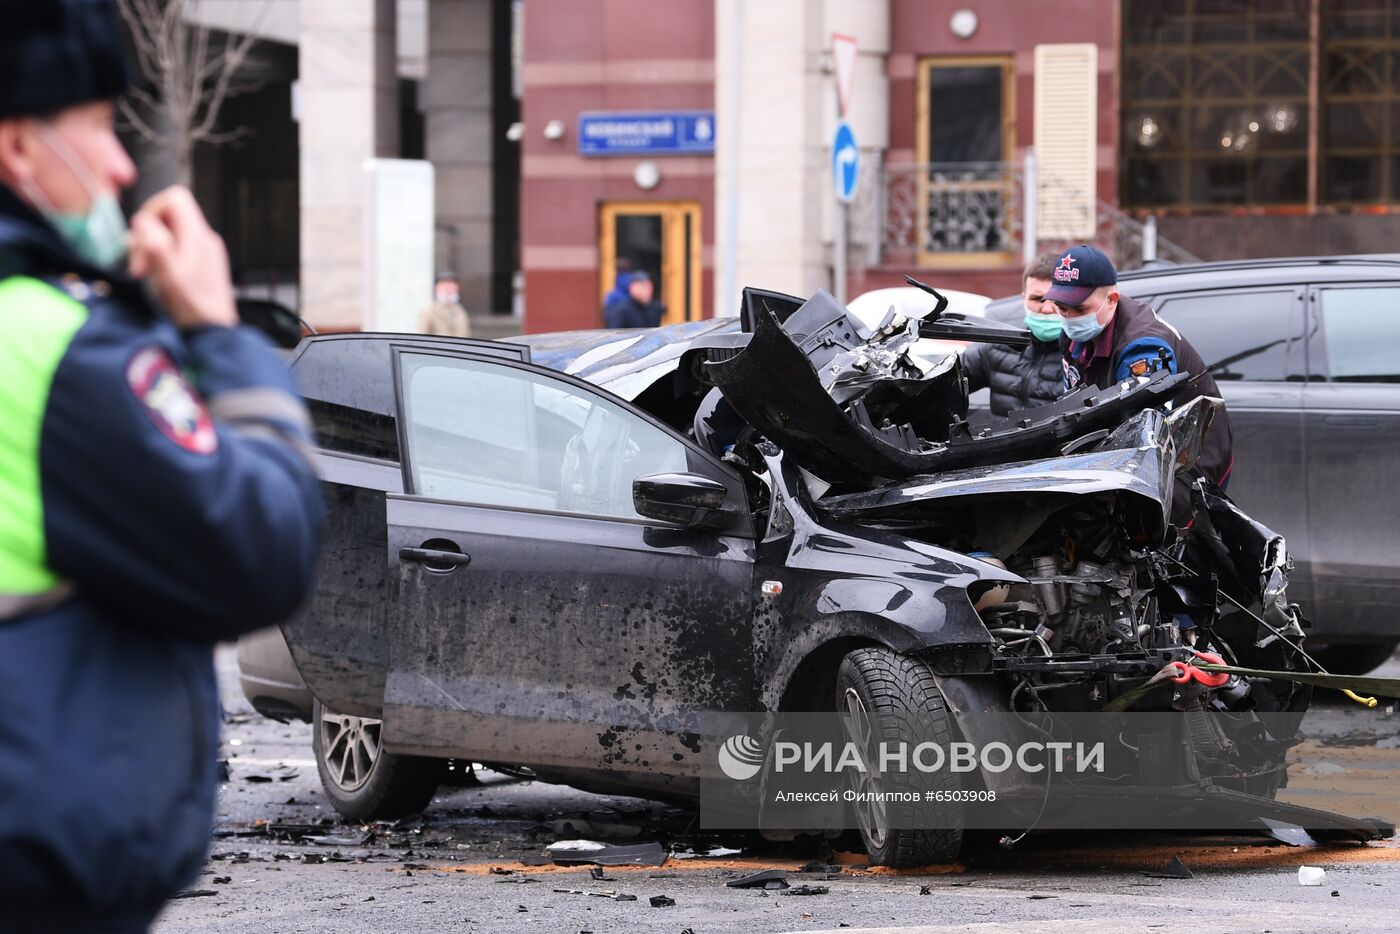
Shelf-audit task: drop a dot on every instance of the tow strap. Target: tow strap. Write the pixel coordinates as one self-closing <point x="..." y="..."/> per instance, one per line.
<point x="1354" y="686"/>
<point x="1180" y="672"/>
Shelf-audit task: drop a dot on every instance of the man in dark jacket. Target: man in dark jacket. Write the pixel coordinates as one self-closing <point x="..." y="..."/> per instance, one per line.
<point x="1109" y="338"/>
<point x="156" y="494"/>
<point x="1026" y="377"/>
<point x="636" y="309"/>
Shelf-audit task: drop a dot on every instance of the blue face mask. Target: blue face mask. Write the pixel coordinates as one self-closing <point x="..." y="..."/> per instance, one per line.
<point x="1044" y="328"/>
<point x="1081" y="329"/>
<point x="99" y="234"/>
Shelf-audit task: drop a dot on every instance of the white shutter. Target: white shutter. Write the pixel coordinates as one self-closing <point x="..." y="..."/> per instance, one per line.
<point x="1066" y="139"/>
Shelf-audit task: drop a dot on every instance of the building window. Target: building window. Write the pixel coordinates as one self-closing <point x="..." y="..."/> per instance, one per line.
<point x="1359" y="71"/>
<point x="1217" y="97"/>
<point x="966" y="144"/>
<point x="1215" y="102"/>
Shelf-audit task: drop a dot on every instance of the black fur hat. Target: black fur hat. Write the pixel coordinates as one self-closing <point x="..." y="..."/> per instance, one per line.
<point x="58" y="53"/>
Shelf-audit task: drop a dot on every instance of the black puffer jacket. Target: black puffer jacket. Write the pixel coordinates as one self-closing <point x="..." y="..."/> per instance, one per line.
<point x="1019" y="379"/>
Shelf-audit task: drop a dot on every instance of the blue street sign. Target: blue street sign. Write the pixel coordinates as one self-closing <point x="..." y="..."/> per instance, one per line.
<point x="845" y="163"/>
<point x="661" y="133"/>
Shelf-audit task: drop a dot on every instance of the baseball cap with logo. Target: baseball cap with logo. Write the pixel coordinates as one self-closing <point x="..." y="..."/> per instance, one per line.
<point x="1081" y="270"/>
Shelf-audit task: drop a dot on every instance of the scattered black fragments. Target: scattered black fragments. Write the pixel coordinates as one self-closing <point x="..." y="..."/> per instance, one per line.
<point x="759" y="879"/>
<point x="518" y="880"/>
<point x="1036" y="898"/>
<point x="807" y="890"/>
<point x="925" y="890"/>
<point x="222" y="880"/>
<point x="1336" y="894"/>
<point x="662" y="901"/>
<point x="819" y="866"/>
<point x="1176" y="869"/>
<point x="195" y="893"/>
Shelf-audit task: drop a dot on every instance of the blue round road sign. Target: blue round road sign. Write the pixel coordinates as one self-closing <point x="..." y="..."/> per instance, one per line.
<point x="845" y="162"/>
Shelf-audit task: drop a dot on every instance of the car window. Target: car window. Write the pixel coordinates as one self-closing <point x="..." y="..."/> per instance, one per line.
<point x="1362" y="331"/>
<point x="345" y="385"/>
<point x="1244" y="335"/>
<point x="480" y="432"/>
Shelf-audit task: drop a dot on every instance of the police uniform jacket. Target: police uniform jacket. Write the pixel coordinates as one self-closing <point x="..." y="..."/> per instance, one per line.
<point x="156" y="496"/>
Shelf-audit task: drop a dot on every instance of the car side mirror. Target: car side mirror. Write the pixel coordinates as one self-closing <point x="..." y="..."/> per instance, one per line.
<point x="275" y="320"/>
<point x="687" y="499"/>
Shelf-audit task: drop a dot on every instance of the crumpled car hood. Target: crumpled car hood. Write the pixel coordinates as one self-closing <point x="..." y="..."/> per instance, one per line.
<point x="793" y="384"/>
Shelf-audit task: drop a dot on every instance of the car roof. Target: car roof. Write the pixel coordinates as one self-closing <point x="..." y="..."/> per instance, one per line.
<point x="1242" y="273"/>
<point x="1277" y="270"/>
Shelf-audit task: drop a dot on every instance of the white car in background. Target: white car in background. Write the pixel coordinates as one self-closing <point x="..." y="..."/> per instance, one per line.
<point x="871" y="307"/>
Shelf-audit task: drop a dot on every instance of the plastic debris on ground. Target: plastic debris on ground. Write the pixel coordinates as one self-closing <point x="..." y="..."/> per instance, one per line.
<point x="717" y="852"/>
<point x="582" y="852"/>
<point x="1291" y="834"/>
<point x="1311" y="875"/>
<point x="807" y="890"/>
<point x="1175" y="869"/>
<point x="760" y="880"/>
<point x="615" y="896"/>
<point x="662" y="901"/>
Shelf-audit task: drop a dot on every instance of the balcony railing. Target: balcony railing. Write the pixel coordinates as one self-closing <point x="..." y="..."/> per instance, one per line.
<point x="974" y="214"/>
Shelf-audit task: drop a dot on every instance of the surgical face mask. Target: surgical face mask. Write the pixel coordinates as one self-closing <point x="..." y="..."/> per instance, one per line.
<point x="1083" y="328"/>
<point x="1044" y="328"/>
<point x="99" y="235"/>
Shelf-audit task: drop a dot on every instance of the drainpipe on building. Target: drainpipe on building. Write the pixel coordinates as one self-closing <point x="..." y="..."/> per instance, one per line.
<point x="1030" y="197"/>
<point x="728" y="297"/>
<point x="1149" y="238"/>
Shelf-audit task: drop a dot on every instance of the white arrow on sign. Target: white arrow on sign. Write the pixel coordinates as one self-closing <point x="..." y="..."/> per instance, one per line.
<point x="843" y="57"/>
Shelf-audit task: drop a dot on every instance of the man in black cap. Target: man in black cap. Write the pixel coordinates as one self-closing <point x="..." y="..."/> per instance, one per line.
<point x="1110" y="337"/>
<point x="156" y="494"/>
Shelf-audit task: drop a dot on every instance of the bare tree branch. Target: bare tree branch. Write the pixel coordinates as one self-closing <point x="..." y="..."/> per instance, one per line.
<point x="138" y="123"/>
<point x="189" y="72"/>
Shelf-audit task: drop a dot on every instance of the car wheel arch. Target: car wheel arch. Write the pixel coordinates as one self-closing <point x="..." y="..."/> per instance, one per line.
<point x="806" y="666"/>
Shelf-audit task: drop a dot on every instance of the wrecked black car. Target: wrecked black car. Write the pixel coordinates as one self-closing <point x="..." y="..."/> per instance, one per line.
<point x="591" y="567"/>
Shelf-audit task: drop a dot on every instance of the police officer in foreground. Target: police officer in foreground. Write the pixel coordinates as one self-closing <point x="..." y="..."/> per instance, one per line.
<point x="1030" y="376"/>
<point x="156" y="494"/>
<point x="1110" y="337"/>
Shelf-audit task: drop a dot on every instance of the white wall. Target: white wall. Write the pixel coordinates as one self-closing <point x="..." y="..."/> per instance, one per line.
<point x="785" y="117"/>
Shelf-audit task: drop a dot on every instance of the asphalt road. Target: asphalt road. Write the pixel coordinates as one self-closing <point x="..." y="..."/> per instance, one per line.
<point x="465" y="865"/>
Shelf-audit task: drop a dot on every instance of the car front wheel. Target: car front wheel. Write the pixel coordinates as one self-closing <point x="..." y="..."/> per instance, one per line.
<point x="886" y="697"/>
<point x="361" y="779"/>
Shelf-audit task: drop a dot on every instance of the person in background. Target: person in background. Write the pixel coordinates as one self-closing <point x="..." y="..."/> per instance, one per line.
<point x="638" y="308"/>
<point x="1022" y="378"/>
<point x="157" y="494"/>
<point x="446" y="316"/>
<point x="619" y="289"/>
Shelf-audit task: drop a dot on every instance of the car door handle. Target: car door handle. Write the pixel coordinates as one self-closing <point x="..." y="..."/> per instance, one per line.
<point x="432" y="556"/>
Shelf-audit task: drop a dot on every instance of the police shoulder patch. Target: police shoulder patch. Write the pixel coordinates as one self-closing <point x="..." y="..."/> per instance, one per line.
<point x="170" y="401"/>
<point x="1139" y="367"/>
